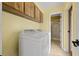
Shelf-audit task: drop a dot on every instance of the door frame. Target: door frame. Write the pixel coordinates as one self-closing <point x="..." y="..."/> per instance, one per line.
<point x="69" y="30"/>
<point x="61" y="29"/>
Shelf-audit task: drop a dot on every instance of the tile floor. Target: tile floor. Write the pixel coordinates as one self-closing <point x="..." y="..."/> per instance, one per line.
<point x="56" y="49"/>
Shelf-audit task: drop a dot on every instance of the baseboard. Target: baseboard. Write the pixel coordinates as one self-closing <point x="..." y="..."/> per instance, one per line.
<point x="66" y="50"/>
<point x="55" y="38"/>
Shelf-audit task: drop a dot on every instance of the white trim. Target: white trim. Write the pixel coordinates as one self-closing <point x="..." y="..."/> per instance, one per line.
<point x="66" y="50"/>
<point x="62" y="28"/>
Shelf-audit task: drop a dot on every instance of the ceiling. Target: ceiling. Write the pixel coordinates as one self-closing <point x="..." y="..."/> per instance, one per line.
<point x="46" y="5"/>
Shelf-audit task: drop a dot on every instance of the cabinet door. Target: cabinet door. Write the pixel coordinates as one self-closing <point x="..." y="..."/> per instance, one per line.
<point x="24" y="9"/>
<point x="19" y="6"/>
<point x="27" y="8"/>
<point x="10" y="4"/>
<point x="32" y="9"/>
<point x="37" y="14"/>
<point x="41" y="17"/>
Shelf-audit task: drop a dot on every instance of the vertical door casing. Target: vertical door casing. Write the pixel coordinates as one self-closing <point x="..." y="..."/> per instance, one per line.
<point x="69" y="31"/>
<point x="1" y="28"/>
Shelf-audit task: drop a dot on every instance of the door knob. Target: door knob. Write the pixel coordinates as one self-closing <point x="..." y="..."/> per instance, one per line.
<point x="68" y="31"/>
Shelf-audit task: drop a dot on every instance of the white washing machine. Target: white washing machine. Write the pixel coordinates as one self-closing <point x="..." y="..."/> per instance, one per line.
<point x="33" y="43"/>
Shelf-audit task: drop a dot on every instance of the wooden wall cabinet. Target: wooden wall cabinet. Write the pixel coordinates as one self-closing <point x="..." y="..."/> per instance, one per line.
<point x="16" y="8"/>
<point x="24" y="9"/>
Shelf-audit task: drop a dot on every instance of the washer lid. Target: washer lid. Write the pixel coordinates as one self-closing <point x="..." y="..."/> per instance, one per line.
<point x="34" y="34"/>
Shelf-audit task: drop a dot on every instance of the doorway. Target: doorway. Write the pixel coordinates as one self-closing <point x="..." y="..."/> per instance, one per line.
<point x="56" y="35"/>
<point x="57" y="46"/>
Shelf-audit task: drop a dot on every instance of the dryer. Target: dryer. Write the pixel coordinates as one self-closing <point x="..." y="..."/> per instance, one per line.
<point x="34" y="43"/>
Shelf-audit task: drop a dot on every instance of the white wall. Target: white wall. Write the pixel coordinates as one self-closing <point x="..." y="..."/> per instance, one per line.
<point x="0" y="29"/>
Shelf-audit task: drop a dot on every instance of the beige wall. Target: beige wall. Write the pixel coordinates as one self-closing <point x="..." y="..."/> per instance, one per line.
<point x="74" y="25"/>
<point x="46" y="26"/>
<point x="12" y="25"/>
<point x="64" y="10"/>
